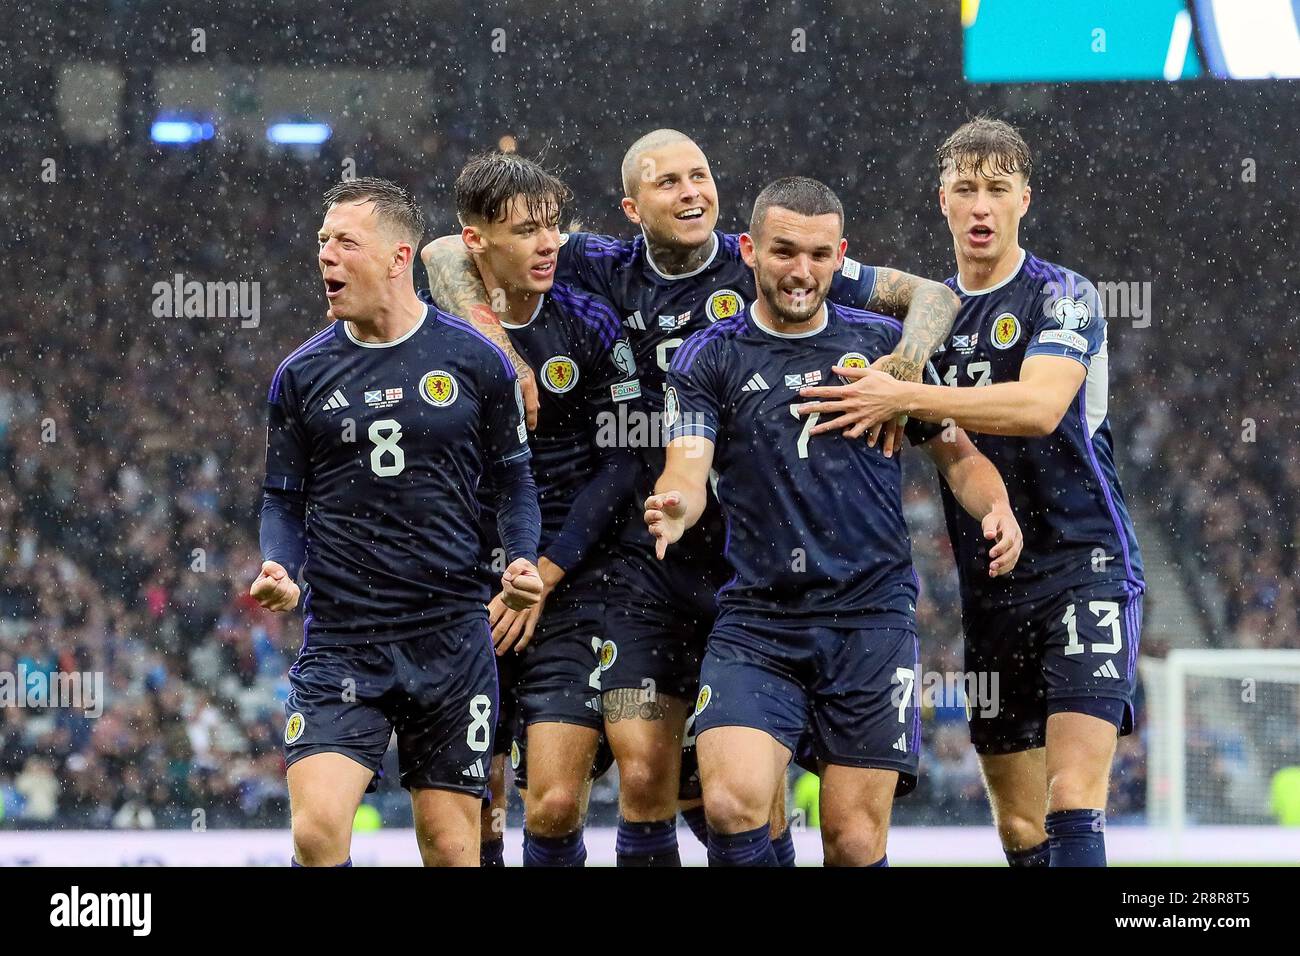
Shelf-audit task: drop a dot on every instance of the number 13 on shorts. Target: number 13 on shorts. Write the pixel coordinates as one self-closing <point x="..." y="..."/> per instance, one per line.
<point x="1106" y="614"/>
<point x="1101" y="637"/>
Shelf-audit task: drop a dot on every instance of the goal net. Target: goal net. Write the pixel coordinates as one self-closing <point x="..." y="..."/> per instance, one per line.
<point x="1221" y="726"/>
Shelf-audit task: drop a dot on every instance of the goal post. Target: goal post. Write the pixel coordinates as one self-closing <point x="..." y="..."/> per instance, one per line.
<point x="1220" y="725"/>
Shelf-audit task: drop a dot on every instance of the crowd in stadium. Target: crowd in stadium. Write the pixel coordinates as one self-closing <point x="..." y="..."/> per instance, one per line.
<point x="131" y="445"/>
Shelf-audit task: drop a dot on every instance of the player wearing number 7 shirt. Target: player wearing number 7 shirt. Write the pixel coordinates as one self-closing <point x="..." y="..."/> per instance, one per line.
<point x="816" y="630"/>
<point x="381" y="428"/>
<point x="679" y="275"/>
<point x="1029" y="358"/>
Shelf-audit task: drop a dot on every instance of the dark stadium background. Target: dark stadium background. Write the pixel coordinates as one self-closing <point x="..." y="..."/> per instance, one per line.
<point x="160" y="426"/>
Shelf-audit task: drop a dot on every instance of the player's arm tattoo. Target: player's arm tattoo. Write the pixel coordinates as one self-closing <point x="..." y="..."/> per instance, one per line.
<point x="630" y="703"/>
<point x="927" y="309"/>
<point x="456" y="286"/>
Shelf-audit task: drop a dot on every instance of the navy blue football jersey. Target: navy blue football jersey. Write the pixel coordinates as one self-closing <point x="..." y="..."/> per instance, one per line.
<point x="585" y="372"/>
<point x="389" y="443"/>
<point x="815" y="527"/>
<point x="661" y="311"/>
<point x="1064" y="489"/>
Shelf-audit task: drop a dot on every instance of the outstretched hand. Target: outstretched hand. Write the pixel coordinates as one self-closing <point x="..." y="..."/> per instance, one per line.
<point x="665" y="516"/>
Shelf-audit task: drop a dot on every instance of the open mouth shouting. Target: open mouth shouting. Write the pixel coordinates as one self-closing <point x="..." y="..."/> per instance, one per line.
<point x="333" y="288"/>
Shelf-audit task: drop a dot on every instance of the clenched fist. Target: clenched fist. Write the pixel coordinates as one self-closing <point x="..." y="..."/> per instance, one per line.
<point x="274" y="589"/>
<point x="521" y="585"/>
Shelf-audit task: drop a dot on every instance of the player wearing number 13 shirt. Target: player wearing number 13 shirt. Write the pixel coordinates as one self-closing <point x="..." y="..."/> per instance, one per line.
<point x="1027" y="362"/>
<point x="381" y="429"/>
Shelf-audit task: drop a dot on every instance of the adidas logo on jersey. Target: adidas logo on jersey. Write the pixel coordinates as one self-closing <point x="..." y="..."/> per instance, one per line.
<point x="901" y="743"/>
<point x="336" y="401"/>
<point x="1106" y="670"/>
<point x="635" y="321"/>
<point x="756" y="384"/>
<point x="474" y="770"/>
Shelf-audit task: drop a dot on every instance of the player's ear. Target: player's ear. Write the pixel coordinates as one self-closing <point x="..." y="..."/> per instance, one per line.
<point x="747" y="249"/>
<point x="629" y="209"/>
<point x="839" y="259"/>
<point x="943" y="201"/>
<point x="473" y="239"/>
<point x="1024" y="200"/>
<point x="403" y="256"/>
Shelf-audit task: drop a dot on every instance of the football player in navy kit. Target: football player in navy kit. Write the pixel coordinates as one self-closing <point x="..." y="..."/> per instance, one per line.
<point x="1028" y="357"/>
<point x="381" y="427"/>
<point x="510" y="208"/>
<point x="816" y="630"/>
<point x="678" y="276"/>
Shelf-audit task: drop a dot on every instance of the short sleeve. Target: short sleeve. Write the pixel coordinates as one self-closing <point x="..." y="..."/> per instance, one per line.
<point x="609" y="367"/>
<point x="693" y="399"/>
<point x="1071" y="323"/>
<point x="853" y="285"/>
<point x="584" y="261"/>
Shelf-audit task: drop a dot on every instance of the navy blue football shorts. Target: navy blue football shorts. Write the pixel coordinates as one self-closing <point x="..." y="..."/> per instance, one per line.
<point x="658" y="617"/>
<point x="438" y="691"/>
<point x="847" y="693"/>
<point x="556" y="678"/>
<point x="1074" y="652"/>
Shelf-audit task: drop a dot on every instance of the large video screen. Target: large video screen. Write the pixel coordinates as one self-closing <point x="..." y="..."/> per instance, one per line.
<point x="1024" y="41"/>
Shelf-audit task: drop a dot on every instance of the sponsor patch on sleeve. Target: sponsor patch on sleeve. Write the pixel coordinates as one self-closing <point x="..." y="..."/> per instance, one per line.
<point x="622" y="391"/>
<point x="852" y="268"/>
<point x="1064" y="337"/>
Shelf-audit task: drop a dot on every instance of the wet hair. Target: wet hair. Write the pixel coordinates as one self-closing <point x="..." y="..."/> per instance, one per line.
<point x="394" y="206"/>
<point x="988" y="145"/>
<point x="799" y="194"/>
<point x="488" y="183"/>
<point x="631" y="169"/>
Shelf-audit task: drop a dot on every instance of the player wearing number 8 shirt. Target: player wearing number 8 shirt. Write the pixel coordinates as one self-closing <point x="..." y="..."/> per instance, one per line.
<point x="816" y="630"/>
<point x="1028" y="356"/>
<point x="381" y="428"/>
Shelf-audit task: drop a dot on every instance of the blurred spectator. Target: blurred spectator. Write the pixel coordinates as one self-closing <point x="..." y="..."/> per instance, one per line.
<point x="39" y="790"/>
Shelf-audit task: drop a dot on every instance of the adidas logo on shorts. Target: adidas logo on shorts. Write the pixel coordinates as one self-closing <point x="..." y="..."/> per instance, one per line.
<point x="1106" y="670"/>
<point x="474" y="770"/>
